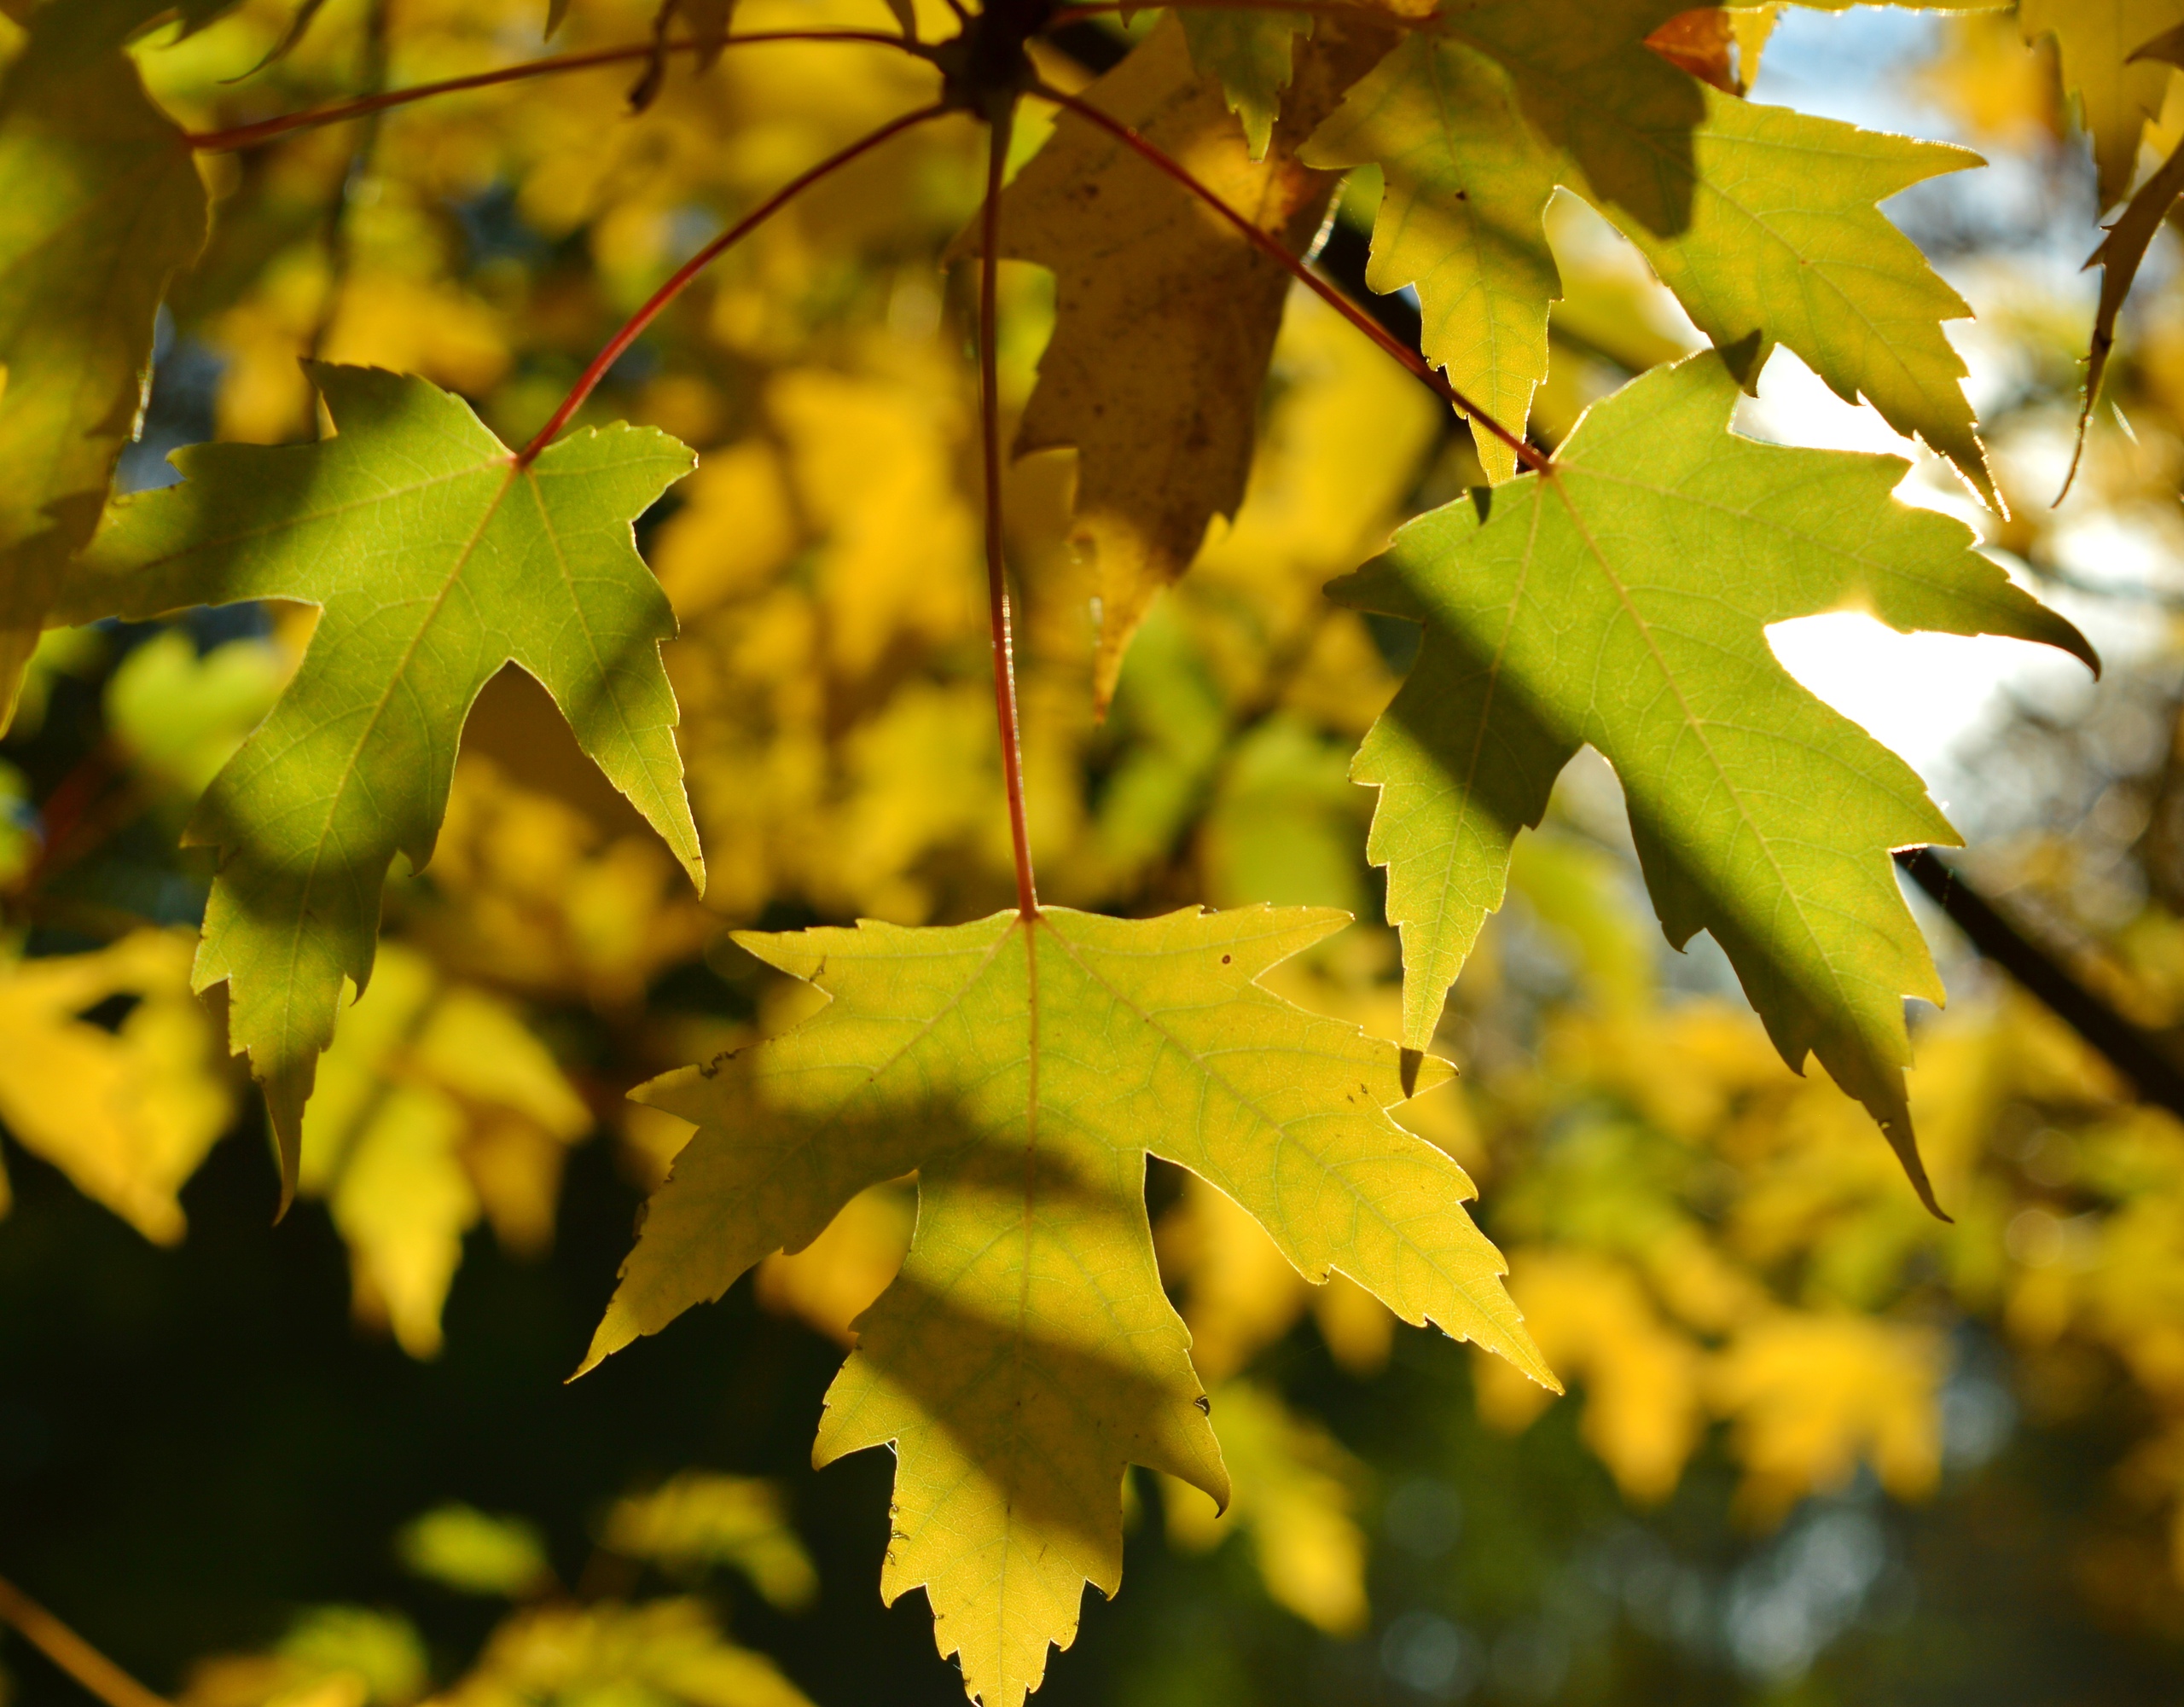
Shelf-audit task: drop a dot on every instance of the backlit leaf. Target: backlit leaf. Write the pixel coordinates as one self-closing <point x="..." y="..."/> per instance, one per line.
<point x="1296" y="1500"/>
<point x="437" y="561"/>
<point x="1762" y="221"/>
<point x="2095" y="40"/>
<point x="2118" y="258"/>
<point x="104" y="206"/>
<point x="698" y="1519"/>
<point x="664" y="1652"/>
<point x="1165" y="316"/>
<point x="1622" y="600"/>
<point x="1252" y="55"/>
<point x="1025" y="1354"/>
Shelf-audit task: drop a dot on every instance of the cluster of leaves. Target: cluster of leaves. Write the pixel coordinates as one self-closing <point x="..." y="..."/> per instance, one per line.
<point x="552" y="1647"/>
<point x="837" y="734"/>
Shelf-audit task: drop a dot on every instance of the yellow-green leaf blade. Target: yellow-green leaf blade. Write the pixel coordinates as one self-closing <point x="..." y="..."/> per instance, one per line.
<point x="100" y="205"/>
<point x="436" y="561"/>
<point x="2095" y="39"/>
<point x="1461" y="219"/>
<point x="1026" y="1353"/>
<point x="1763" y="221"/>
<point x="1624" y="601"/>
<point x="1252" y="55"/>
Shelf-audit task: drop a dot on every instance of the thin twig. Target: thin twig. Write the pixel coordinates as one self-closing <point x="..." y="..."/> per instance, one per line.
<point x="1004" y="662"/>
<point x="265" y="130"/>
<point x="1413" y="361"/>
<point x="1322" y="8"/>
<point x="634" y="327"/>
<point x="72" y="1653"/>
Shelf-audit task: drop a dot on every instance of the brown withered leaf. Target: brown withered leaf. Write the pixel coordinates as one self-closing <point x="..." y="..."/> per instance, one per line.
<point x="1165" y="316"/>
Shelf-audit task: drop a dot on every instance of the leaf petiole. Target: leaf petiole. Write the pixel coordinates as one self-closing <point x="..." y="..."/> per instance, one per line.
<point x="633" y="328"/>
<point x="1412" y="361"/>
<point x="1004" y="663"/>
<point x="267" y="129"/>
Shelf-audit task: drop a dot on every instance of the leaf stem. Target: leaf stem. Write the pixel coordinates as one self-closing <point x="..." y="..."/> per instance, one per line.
<point x="633" y="328"/>
<point x="266" y="129"/>
<point x="1004" y="662"/>
<point x="1266" y="244"/>
<point x="72" y="1653"/>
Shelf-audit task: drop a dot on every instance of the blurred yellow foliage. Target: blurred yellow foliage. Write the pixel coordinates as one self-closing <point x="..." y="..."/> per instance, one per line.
<point x="1810" y="1395"/>
<point x="1698" y="1236"/>
<point x="1642" y="1378"/>
<point x="562" y="1655"/>
<point x="435" y="1106"/>
<point x="546" y="901"/>
<point x="835" y="1278"/>
<point x="699" y="1518"/>
<point x="126" y="1110"/>
<point x="1294" y="1496"/>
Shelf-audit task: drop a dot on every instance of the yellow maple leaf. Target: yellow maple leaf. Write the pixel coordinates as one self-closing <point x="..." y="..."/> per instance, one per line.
<point x="1025" y="1354"/>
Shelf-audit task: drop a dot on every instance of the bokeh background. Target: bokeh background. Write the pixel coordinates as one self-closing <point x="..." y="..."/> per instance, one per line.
<point x="1819" y="1448"/>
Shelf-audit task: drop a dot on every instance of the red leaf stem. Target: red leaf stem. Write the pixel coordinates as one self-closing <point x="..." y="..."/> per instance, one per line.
<point x="1004" y="663"/>
<point x="633" y="328"/>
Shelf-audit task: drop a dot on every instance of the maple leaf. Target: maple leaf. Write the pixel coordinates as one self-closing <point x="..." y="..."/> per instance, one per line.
<point x="2116" y="95"/>
<point x="436" y="560"/>
<point x="1165" y="316"/>
<point x="1622" y="600"/>
<point x="104" y="206"/>
<point x="1025" y="1354"/>
<point x="1762" y="221"/>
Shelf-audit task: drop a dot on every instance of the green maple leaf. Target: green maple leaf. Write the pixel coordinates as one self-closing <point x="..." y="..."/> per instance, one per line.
<point x="437" y="561"/>
<point x="100" y="205"/>
<point x="1763" y="221"/>
<point x="1622" y="600"/>
<point x="1253" y="54"/>
<point x="1025" y="1354"/>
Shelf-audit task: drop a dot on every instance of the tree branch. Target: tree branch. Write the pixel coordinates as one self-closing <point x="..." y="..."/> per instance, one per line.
<point x="2134" y="1051"/>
